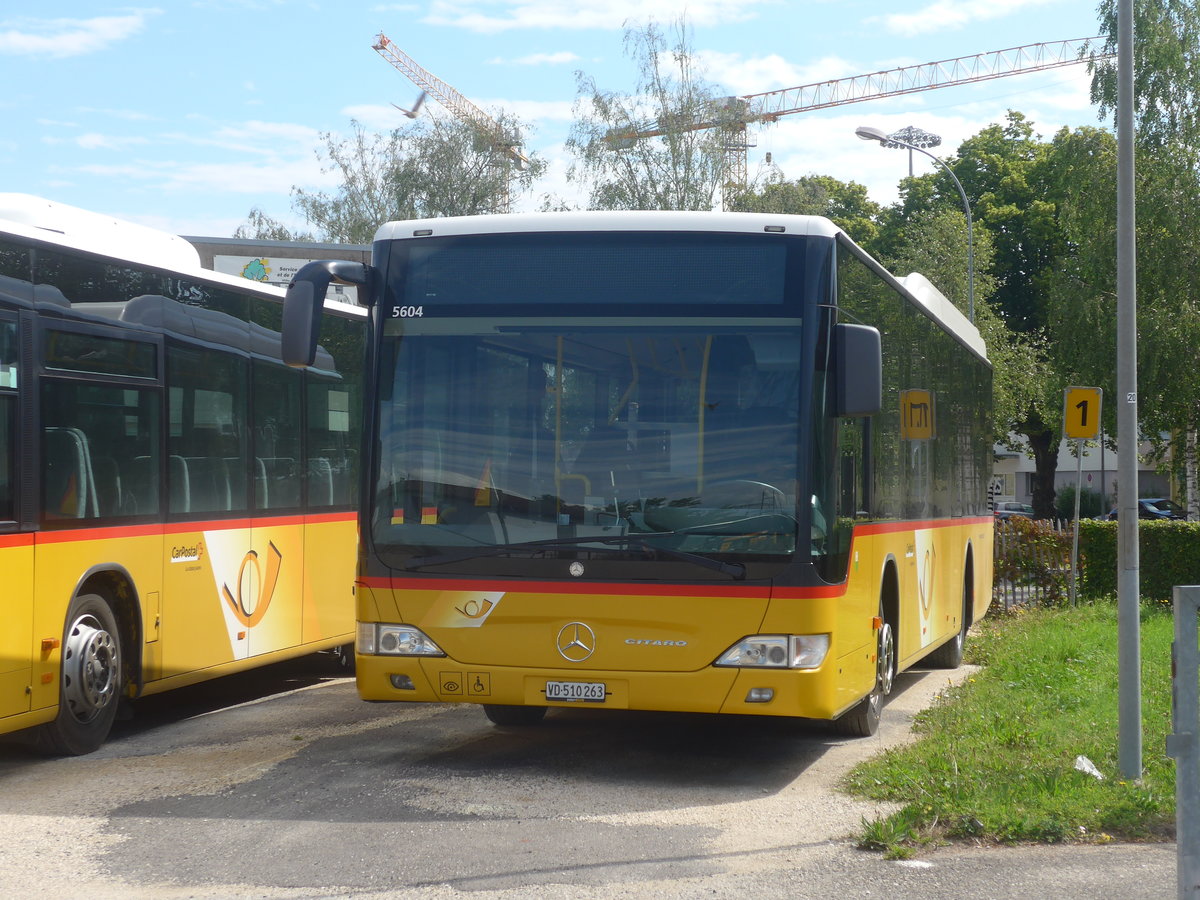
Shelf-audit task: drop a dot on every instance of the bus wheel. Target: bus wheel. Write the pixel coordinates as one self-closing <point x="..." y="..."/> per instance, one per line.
<point x="514" y="715"/>
<point x="90" y="686"/>
<point x="863" y="719"/>
<point x="344" y="656"/>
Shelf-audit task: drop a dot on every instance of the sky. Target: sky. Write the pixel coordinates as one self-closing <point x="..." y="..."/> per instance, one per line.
<point x="187" y="114"/>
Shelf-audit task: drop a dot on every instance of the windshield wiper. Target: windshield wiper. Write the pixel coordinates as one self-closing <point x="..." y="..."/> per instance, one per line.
<point x="737" y="571"/>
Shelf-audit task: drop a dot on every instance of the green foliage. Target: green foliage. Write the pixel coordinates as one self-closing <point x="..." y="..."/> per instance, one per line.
<point x="680" y="168"/>
<point x="1032" y="553"/>
<point x="438" y="166"/>
<point x="1091" y="503"/>
<point x="1168" y="552"/>
<point x="846" y="204"/>
<point x="1166" y="69"/>
<point x="261" y="227"/>
<point x="995" y="758"/>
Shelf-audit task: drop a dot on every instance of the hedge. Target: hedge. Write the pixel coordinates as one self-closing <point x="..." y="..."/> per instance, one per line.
<point x="1168" y="555"/>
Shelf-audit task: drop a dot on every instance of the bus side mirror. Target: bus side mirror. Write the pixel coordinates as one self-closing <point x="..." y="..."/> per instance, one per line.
<point x="858" y="370"/>
<point x="305" y="299"/>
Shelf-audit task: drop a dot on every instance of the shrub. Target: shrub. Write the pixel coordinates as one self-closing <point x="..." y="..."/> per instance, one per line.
<point x="1168" y="555"/>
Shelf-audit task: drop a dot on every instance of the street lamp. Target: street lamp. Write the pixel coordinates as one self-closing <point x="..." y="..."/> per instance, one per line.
<point x="909" y="137"/>
<point x="875" y="134"/>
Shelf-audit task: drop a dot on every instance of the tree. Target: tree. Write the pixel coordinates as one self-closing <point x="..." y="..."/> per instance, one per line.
<point x="681" y="169"/>
<point x="261" y="227"/>
<point x="1166" y="85"/>
<point x="439" y="167"/>
<point x="844" y="203"/>
<point x="1166" y="70"/>
<point x="1018" y="186"/>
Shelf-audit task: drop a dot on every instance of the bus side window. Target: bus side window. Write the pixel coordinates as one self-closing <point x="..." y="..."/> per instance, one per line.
<point x="8" y="420"/>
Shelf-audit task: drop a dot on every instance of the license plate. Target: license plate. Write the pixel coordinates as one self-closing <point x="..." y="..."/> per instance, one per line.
<point x="587" y="691"/>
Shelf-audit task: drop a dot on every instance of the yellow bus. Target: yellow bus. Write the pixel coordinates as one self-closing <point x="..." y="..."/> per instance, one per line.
<point x="708" y="462"/>
<point x="175" y="503"/>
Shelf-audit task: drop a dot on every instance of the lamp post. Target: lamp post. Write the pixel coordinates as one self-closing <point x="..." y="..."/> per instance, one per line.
<point x="909" y="137"/>
<point x="875" y="134"/>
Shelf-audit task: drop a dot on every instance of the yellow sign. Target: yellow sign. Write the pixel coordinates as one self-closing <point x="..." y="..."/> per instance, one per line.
<point x="1081" y="413"/>
<point x="916" y="415"/>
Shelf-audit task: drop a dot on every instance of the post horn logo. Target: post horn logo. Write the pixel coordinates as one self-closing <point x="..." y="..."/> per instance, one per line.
<point x="250" y="607"/>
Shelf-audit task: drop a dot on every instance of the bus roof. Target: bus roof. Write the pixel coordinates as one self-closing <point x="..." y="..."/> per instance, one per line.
<point x="73" y="228"/>
<point x="750" y="223"/>
<point x="60" y="223"/>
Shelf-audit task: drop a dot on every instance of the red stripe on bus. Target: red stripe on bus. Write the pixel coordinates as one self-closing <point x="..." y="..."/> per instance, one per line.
<point x="16" y="540"/>
<point x="919" y="525"/>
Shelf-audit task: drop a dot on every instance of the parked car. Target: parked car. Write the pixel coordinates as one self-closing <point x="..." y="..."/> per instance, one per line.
<point x="1155" y="508"/>
<point x="1008" y="509"/>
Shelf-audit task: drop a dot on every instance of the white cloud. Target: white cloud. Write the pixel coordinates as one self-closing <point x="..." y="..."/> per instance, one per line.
<point x="62" y="38"/>
<point x="583" y="14"/>
<point x="128" y="115"/>
<point x="95" y="141"/>
<point x="767" y="73"/>
<point x="272" y="176"/>
<point x="946" y="15"/>
<point x="538" y="59"/>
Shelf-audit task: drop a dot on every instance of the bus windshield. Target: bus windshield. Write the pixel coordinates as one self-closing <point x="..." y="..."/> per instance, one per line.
<point x="601" y="418"/>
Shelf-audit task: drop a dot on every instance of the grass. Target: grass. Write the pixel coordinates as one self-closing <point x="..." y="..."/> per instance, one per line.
<point x="995" y="761"/>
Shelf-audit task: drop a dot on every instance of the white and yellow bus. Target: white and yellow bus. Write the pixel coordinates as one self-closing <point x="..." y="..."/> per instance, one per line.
<point x="706" y="462"/>
<point x="175" y="503"/>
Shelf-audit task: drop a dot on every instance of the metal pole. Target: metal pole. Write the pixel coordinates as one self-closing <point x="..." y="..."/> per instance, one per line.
<point x="1075" y="537"/>
<point x="1128" y="568"/>
<point x="1182" y="744"/>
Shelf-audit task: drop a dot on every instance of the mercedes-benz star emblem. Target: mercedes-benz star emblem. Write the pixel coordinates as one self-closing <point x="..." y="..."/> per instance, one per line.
<point x="576" y="642"/>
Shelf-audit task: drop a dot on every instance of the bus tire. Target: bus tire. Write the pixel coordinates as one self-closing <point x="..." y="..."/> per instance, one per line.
<point x="862" y="720"/>
<point x="950" y="654"/>
<point x="514" y="715"/>
<point x="91" y="680"/>
<point x="344" y="658"/>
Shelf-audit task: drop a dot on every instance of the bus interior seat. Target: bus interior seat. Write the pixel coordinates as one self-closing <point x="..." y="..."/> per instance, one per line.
<point x="282" y="486"/>
<point x="262" y="491"/>
<point x="69" y="489"/>
<point x="141" y="482"/>
<point x="110" y="499"/>
<point x="179" y="484"/>
<point x="208" y="482"/>
<point x="320" y="482"/>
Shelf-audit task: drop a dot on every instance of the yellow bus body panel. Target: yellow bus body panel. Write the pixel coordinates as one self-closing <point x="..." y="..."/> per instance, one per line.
<point x="16" y="636"/>
<point x="209" y="599"/>
<point x="654" y="648"/>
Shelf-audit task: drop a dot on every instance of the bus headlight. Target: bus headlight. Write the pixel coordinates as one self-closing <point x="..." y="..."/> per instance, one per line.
<point x="382" y="639"/>
<point x="777" y="651"/>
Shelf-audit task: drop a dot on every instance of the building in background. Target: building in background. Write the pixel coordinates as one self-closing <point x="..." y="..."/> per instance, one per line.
<point x="275" y="262"/>
<point x="1012" y="475"/>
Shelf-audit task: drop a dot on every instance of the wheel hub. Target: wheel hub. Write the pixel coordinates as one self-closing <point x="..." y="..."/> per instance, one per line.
<point x="89" y="669"/>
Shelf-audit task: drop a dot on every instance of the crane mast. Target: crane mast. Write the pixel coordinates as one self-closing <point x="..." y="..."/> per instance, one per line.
<point x="506" y="152"/>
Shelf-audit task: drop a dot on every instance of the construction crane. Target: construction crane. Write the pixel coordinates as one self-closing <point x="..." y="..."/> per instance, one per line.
<point x="506" y="152"/>
<point x="733" y="114"/>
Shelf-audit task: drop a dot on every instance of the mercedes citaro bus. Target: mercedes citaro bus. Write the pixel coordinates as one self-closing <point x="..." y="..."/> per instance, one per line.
<point x="708" y="462"/>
